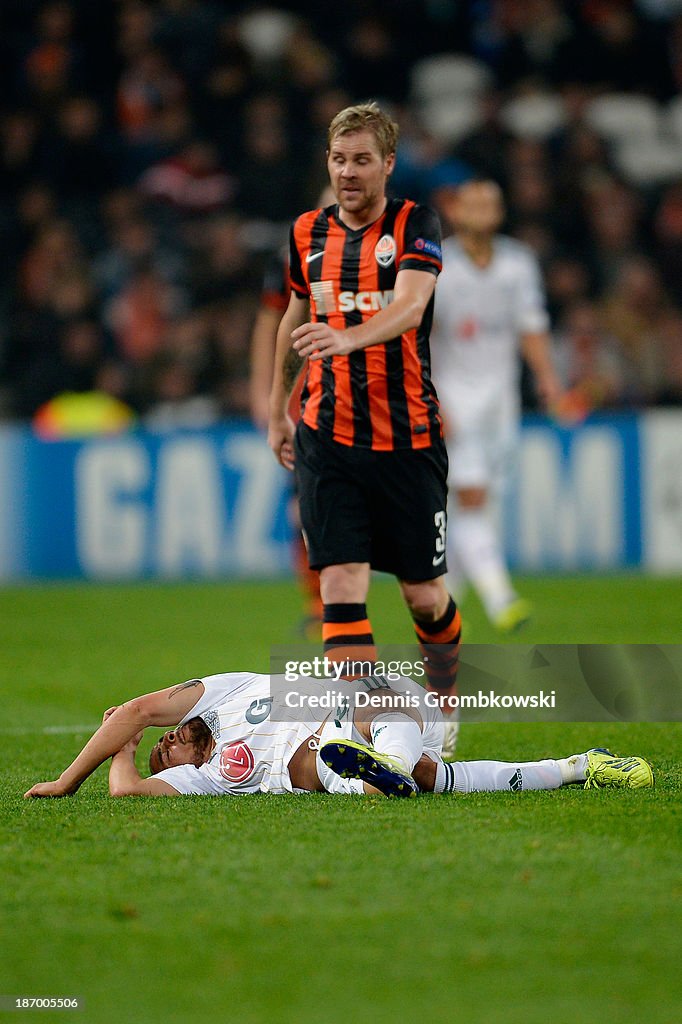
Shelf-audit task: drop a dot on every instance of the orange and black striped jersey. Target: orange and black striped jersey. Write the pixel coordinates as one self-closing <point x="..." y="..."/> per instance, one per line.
<point x="379" y="397"/>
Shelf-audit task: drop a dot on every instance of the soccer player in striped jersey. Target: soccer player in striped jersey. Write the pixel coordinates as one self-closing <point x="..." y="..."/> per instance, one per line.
<point x="368" y="453"/>
<point x="489" y="308"/>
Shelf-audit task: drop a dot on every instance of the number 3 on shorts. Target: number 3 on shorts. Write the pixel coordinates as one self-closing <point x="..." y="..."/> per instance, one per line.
<point x="440" y="521"/>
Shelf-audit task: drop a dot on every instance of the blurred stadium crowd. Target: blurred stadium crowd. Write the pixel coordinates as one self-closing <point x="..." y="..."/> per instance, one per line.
<point x="152" y="155"/>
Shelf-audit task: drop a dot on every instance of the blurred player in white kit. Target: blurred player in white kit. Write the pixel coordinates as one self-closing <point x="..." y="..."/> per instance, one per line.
<point x="489" y="307"/>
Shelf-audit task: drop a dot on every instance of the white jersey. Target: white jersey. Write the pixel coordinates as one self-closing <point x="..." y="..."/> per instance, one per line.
<point x="258" y="722"/>
<point x="479" y="317"/>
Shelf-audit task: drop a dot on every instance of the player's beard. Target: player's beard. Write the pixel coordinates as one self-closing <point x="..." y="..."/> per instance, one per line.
<point x="360" y="201"/>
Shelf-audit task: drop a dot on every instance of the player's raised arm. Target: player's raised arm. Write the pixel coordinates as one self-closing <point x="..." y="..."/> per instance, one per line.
<point x="162" y="708"/>
<point x="285" y="371"/>
<point x="412" y="294"/>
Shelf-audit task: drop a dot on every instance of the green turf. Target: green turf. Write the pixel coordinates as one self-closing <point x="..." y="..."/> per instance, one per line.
<point x="488" y="909"/>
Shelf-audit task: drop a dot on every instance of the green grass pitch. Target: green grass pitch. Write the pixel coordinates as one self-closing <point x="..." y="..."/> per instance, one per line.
<point x="549" y="908"/>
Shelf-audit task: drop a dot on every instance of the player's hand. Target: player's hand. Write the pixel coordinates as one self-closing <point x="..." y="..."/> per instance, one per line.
<point x="109" y="712"/>
<point x="131" y="746"/>
<point x="317" y="341"/>
<point x="47" y="789"/>
<point x="281" y="440"/>
<point x="549" y="390"/>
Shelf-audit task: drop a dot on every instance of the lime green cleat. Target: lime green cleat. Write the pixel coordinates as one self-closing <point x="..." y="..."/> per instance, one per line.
<point x="353" y="760"/>
<point x="604" y="771"/>
<point x="513" y="616"/>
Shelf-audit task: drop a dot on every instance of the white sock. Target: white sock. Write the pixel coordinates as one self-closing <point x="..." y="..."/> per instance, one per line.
<point x="445" y="777"/>
<point x="399" y="736"/>
<point x="333" y="783"/>
<point x="478" y="550"/>
<point x="573" y="768"/>
<point x="496" y="776"/>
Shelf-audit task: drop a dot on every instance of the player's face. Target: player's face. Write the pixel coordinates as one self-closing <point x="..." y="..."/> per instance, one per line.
<point x="358" y="173"/>
<point x="477" y="208"/>
<point x="177" y="746"/>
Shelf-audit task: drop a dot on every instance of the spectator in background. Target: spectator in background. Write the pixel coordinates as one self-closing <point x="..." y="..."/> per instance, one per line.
<point x="231" y="325"/>
<point x="374" y="62"/>
<point x="191" y="182"/>
<point x="668" y="239"/>
<point x="623" y="51"/>
<point x="542" y="43"/>
<point x="223" y="265"/>
<point x="267" y="157"/>
<point x="76" y="158"/>
<point x="484" y="149"/>
<point x="152" y="118"/>
<point x="176" y="399"/>
<point x="98" y="98"/>
<point x="72" y="366"/>
<point x="134" y="243"/>
<point x="529" y="185"/>
<point x="580" y="165"/>
<point x="52" y="64"/>
<point x="54" y="290"/>
<point x="424" y="164"/>
<point x="589" y="363"/>
<point x="309" y="68"/>
<point x="670" y="386"/>
<point x="224" y="88"/>
<point x="567" y="281"/>
<point x="613" y="217"/>
<point x="19" y="156"/>
<point x="632" y="310"/>
<point x="32" y="210"/>
<point x="140" y="314"/>
<point x="53" y="257"/>
<point x="147" y="85"/>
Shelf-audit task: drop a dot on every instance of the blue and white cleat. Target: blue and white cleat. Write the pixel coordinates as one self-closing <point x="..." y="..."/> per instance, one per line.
<point x="353" y="760"/>
<point x="606" y="771"/>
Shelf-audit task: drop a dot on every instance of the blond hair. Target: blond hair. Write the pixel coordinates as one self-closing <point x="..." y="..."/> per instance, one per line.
<point x="366" y="116"/>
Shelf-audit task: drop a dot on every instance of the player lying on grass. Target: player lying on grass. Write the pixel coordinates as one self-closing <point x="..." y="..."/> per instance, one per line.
<point x="240" y="732"/>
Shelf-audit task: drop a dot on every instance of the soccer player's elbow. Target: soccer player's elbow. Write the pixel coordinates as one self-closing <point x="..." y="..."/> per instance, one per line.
<point x="414" y="314"/>
<point x="142" y="710"/>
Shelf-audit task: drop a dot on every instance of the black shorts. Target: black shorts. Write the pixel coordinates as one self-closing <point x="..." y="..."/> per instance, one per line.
<point x="385" y="508"/>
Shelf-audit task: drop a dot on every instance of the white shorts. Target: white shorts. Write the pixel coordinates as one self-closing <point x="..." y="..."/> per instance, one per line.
<point x="481" y="435"/>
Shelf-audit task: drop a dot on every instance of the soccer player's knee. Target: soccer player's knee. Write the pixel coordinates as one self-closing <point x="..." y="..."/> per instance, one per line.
<point x="426" y="601"/>
<point x="341" y="584"/>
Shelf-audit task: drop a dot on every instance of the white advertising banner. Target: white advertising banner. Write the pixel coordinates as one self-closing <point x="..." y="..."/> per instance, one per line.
<point x="661" y="481"/>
